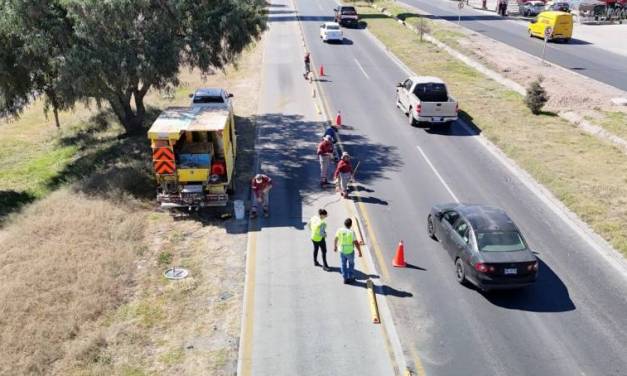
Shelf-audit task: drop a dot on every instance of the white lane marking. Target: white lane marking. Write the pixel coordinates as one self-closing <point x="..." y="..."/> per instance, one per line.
<point x="437" y="174"/>
<point x="362" y="68"/>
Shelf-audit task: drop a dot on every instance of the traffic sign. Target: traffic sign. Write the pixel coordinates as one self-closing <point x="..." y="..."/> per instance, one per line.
<point x="548" y="32"/>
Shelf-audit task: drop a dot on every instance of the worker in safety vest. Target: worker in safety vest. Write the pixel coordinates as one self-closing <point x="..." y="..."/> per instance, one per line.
<point x="347" y="241"/>
<point x="318" y="227"/>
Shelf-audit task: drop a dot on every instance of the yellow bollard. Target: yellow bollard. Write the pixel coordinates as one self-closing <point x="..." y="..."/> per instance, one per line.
<point x="374" y="309"/>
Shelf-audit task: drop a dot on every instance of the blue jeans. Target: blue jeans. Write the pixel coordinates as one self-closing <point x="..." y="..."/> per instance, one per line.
<point x="347" y="265"/>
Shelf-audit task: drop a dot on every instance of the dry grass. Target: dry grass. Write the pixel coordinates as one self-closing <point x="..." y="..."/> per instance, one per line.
<point x="65" y="261"/>
<point x="582" y="171"/>
<point x="90" y="298"/>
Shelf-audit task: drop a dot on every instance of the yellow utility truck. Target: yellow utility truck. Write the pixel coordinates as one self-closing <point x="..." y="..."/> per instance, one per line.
<point x="193" y="154"/>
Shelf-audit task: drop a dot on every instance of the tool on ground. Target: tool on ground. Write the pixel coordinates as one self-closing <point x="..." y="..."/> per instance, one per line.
<point x="399" y="259"/>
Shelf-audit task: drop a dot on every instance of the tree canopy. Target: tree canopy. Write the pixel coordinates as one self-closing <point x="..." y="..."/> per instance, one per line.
<point x="114" y="51"/>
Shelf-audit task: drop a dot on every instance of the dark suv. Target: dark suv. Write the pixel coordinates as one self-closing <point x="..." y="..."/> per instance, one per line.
<point x="346" y="16"/>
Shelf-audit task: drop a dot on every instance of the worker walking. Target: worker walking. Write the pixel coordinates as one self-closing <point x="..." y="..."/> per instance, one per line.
<point x="348" y="242"/>
<point x="261" y="185"/>
<point x="331" y="131"/>
<point x="318" y="227"/>
<point x="325" y="153"/>
<point x="307" y="61"/>
<point x="344" y="173"/>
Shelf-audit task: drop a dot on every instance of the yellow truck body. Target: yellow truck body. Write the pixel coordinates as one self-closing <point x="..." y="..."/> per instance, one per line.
<point x="194" y="151"/>
<point x="561" y="24"/>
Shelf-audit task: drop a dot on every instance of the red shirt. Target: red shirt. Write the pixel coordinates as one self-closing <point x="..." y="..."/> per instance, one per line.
<point x="343" y="167"/>
<point x="325" y="147"/>
<point x="258" y="187"/>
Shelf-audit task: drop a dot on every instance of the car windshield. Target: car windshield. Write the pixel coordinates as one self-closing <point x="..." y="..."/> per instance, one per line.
<point x="500" y="241"/>
<point x="208" y="99"/>
<point x="333" y="27"/>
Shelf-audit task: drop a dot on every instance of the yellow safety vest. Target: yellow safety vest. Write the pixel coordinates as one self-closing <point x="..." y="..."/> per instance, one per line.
<point x="346" y="240"/>
<point x="316" y="223"/>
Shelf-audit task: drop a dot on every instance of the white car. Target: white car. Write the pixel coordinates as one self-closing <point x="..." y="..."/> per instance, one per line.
<point x="331" y="31"/>
<point x="212" y="97"/>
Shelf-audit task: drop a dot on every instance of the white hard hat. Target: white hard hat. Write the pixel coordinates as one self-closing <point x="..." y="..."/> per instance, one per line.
<point x="328" y="138"/>
<point x="345" y="155"/>
<point x="258" y="177"/>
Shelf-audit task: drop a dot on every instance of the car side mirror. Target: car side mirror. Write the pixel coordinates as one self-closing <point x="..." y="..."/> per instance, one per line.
<point x="191" y="95"/>
<point x="438" y="215"/>
<point x="230" y="95"/>
<point x="400" y="84"/>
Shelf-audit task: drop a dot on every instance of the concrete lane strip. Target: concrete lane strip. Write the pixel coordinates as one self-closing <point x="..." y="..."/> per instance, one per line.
<point x="245" y="361"/>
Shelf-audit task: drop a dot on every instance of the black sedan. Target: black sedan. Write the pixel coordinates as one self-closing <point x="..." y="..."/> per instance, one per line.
<point x="486" y="246"/>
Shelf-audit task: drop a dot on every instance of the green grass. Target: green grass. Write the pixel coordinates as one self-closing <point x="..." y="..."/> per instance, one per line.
<point x="587" y="174"/>
<point x="615" y="122"/>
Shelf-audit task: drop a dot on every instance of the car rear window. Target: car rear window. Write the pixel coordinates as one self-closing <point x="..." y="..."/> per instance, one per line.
<point x="349" y="11"/>
<point x="500" y="241"/>
<point x="431" y="92"/>
<point x="208" y="99"/>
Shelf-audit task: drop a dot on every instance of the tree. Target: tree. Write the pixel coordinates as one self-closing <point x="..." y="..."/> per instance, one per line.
<point x="33" y="37"/>
<point x="123" y="48"/>
<point x="114" y="51"/>
<point x="536" y="96"/>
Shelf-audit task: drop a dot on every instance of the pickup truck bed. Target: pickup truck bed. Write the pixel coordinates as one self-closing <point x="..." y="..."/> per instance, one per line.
<point x="426" y="99"/>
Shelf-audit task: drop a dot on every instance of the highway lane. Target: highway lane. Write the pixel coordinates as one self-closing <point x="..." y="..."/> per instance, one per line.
<point x="571" y="322"/>
<point x="577" y="55"/>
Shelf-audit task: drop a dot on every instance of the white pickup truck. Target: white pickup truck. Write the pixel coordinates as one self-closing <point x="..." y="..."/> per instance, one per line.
<point x="426" y="99"/>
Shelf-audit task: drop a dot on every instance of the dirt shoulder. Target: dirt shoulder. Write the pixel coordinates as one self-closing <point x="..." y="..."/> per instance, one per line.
<point x="82" y="288"/>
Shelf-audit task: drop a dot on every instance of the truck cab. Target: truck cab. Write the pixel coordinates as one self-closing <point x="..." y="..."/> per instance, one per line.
<point x="213" y="98"/>
<point x="346" y="16"/>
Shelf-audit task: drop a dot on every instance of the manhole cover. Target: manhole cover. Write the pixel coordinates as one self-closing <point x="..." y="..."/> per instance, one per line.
<point x="176" y="273"/>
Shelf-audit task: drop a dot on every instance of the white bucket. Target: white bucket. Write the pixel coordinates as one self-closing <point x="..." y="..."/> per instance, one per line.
<point x="238" y="205"/>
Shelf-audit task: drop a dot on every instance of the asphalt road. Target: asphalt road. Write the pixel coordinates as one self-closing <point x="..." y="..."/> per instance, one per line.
<point x="572" y="321"/>
<point x="299" y="320"/>
<point x="578" y="55"/>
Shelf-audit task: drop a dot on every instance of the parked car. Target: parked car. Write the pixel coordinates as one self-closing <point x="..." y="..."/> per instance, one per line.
<point x="485" y="245"/>
<point x="331" y="31"/>
<point x="561" y="24"/>
<point x="532" y="8"/>
<point x="426" y="99"/>
<point x="558" y="6"/>
<point x="213" y="98"/>
<point x="346" y="16"/>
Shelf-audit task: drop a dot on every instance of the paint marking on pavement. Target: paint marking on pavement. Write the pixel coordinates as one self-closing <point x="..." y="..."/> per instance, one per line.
<point x="246" y="337"/>
<point x="362" y="69"/>
<point x="437" y="174"/>
<point x="420" y="371"/>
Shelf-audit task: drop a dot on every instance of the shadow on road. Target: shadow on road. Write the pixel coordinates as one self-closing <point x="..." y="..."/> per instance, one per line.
<point x="548" y="294"/>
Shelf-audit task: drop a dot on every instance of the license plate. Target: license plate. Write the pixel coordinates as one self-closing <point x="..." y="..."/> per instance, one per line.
<point x="510" y="271"/>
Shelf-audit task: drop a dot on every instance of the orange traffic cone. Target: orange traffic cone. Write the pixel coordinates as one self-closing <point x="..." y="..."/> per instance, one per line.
<point x="338" y="119"/>
<point x="399" y="259"/>
<point x="321" y="70"/>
